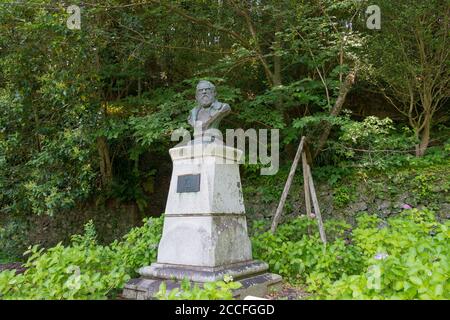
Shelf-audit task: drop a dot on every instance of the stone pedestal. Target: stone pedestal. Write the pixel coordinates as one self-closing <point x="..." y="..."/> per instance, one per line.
<point x="205" y="229"/>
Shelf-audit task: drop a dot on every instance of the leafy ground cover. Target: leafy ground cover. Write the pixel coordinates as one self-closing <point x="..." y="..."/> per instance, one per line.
<point x="402" y="257"/>
<point x="84" y="269"/>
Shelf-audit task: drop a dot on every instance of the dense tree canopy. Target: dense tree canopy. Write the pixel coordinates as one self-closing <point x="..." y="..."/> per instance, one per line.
<point x="81" y="109"/>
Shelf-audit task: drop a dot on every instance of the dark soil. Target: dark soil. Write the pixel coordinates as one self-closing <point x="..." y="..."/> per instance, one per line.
<point x="13" y="266"/>
<point x="289" y="292"/>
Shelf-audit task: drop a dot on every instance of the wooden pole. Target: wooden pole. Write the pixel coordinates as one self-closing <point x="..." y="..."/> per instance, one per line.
<point x="287" y="186"/>
<point x="316" y="206"/>
<point x="306" y="185"/>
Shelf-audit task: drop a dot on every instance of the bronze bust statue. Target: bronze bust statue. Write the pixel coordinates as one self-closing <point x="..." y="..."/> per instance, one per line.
<point x="209" y="112"/>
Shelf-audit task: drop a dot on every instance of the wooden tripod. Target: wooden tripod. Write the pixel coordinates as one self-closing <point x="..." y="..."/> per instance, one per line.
<point x="310" y="191"/>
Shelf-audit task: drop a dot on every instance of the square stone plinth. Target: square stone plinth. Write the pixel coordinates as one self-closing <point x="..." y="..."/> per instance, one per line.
<point x="207" y="240"/>
<point x="215" y="184"/>
<point x="205" y="229"/>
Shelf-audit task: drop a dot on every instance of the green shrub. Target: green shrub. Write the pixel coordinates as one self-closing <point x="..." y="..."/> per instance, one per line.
<point x="406" y="257"/>
<point x="403" y="257"/>
<point x="344" y="195"/>
<point x="85" y="269"/>
<point x="375" y="143"/>
<point x="13" y="238"/>
<point x="139" y="247"/>
<point x="296" y="252"/>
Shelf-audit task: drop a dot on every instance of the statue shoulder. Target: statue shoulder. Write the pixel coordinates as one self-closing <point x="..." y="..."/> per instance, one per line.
<point x="193" y="116"/>
<point x="220" y="106"/>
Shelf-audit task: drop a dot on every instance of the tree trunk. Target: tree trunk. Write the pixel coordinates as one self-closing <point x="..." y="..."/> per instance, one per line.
<point x="277" y="81"/>
<point x="345" y="88"/>
<point x="105" y="162"/>
<point x="421" y="148"/>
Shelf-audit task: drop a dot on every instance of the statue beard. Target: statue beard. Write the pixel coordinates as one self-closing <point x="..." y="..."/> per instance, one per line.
<point x="205" y="101"/>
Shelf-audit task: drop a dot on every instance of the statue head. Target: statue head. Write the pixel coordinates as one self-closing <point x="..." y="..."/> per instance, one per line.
<point x="205" y="93"/>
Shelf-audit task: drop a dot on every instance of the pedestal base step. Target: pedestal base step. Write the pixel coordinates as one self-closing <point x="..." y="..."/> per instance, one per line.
<point x="258" y="285"/>
<point x="202" y="273"/>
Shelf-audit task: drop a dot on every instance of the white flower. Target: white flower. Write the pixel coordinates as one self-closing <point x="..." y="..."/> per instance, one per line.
<point x="381" y="256"/>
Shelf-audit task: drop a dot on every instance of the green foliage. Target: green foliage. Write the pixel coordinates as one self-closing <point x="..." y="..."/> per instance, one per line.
<point x="267" y="188"/>
<point x="423" y="186"/>
<point x="424" y="182"/>
<point x="374" y="143"/>
<point x="343" y="195"/>
<point x="139" y="246"/>
<point x="75" y="272"/>
<point x="218" y="290"/>
<point x="55" y="178"/>
<point x="61" y="90"/>
<point x="4" y="258"/>
<point x="295" y="251"/>
<point x="332" y="174"/>
<point x="47" y="160"/>
<point x="411" y="70"/>
<point x="13" y="239"/>
<point x="128" y="76"/>
<point x="403" y="257"/>
<point x="376" y="134"/>
<point x="369" y="131"/>
<point x="85" y="269"/>
<point x="406" y="258"/>
<point x="67" y="183"/>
